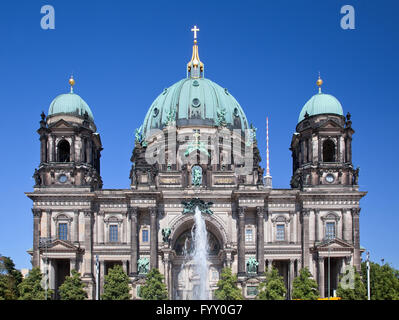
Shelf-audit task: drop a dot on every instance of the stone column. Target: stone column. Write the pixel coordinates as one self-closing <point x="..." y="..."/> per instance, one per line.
<point x="124" y="266"/>
<point x="76" y="226"/>
<point x="102" y="275"/>
<point x="260" y="240"/>
<point x="153" y="238"/>
<point x="321" y="276"/>
<point x="356" y="238"/>
<point x="48" y="222"/>
<point x="43" y="148"/>
<point x="88" y="266"/>
<point x="72" y="265"/>
<point x="316" y="225"/>
<point x="124" y="228"/>
<point x="291" y="280"/>
<point x="37" y="215"/>
<point x="134" y="249"/>
<point x="305" y="238"/>
<point x="269" y="265"/>
<point x="72" y="153"/>
<point x="241" y="241"/>
<point x="89" y="152"/>
<point x="292" y="228"/>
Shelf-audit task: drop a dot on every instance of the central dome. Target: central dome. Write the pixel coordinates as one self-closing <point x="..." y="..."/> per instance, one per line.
<point x="195" y="102"/>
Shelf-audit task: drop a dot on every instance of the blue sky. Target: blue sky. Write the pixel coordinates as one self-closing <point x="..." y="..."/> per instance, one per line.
<point x="267" y="53"/>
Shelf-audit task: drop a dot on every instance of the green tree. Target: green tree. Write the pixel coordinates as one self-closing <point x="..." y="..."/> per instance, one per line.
<point x="72" y="288"/>
<point x="154" y="288"/>
<point x="273" y="288"/>
<point x="10" y="278"/>
<point x="384" y="281"/>
<point x="227" y="286"/>
<point x="31" y="287"/>
<point x="304" y="287"/>
<point x="359" y="292"/>
<point x="116" y="286"/>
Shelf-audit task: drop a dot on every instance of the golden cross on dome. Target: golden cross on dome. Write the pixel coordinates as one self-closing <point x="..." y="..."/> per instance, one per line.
<point x="195" y="29"/>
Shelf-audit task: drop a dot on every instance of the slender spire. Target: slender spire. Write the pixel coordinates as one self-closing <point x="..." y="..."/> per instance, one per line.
<point x="71" y="82"/>
<point x="319" y="82"/>
<point x="267" y="177"/>
<point x="195" y="67"/>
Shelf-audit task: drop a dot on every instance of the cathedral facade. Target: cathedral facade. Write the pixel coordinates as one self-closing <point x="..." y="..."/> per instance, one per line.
<point x="195" y="149"/>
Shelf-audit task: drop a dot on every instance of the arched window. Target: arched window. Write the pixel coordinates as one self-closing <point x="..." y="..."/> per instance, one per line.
<point x="328" y="151"/>
<point x="63" y="151"/>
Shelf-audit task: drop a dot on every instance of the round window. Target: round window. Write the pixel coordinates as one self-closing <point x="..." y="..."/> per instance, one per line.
<point x="196" y="102"/>
<point x="235" y="112"/>
<point x="156" y="111"/>
<point x="62" y="178"/>
<point x="195" y="83"/>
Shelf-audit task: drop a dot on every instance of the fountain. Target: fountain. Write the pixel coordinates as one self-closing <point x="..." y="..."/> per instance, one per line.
<point x="196" y="252"/>
<point x="200" y="256"/>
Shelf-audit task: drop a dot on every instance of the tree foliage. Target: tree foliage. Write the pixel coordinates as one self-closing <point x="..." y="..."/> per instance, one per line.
<point x="273" y="288"/>
<point x="227" y="286"/>
<point x="384" y="281"/>
<point x="304" y="286"/>
<point x="10" y="278"/>
<point x="154" y="288"/>
<point x="31" y="287"/>
<point x="359" y="292"/>
<point x="116" y="286"/>
<point x="72" y="288"/>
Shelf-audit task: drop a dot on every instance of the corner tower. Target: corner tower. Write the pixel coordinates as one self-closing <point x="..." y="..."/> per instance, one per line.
<point x="70" y="147"/>
<point x="321" y="146"/>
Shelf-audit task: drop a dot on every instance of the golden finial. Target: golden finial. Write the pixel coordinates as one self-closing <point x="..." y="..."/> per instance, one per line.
<point x="71" y="82"/>
<point x="195" y="66"/>
<point x="319" y="83"/>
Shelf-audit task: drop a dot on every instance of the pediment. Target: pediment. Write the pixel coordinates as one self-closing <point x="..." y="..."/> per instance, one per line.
<point x="334" y="244"/>
<point x="329" y="124"/>
<point x="61" y="245"/>
<point x="62" y="124"/>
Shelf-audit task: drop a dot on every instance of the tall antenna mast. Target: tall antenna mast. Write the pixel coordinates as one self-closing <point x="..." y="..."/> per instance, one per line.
<point x="267" y="177"/>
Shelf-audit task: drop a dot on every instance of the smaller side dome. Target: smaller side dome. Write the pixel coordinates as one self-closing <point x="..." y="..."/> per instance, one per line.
<point x="321" y="103"/>
<point x="71" y="104"/>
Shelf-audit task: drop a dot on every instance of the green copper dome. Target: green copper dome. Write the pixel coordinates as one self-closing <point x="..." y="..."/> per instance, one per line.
<point x="321" y="103"/>
<point x="195" y="102"/>
<point x="71" y="104"/>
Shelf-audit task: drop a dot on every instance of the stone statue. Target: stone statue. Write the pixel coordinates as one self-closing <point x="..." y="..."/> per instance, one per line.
<point x="166" y="234"/>
<point x="36" y="176"/>
<point x="189" y="206"/>
<point x="196" y="174"/>
<point x="252" y="265"/>
<point x="170" y="118"/>
<point x="143" y="265"/>
<point x="221" y="118"/>
<point x="355" y="180"/>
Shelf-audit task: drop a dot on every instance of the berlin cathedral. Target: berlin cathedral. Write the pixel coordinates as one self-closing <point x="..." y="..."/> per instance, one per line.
<point x="196" y="150"/>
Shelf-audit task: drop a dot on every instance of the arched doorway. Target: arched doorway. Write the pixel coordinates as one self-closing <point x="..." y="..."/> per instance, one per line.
<point x="185" y="281"/>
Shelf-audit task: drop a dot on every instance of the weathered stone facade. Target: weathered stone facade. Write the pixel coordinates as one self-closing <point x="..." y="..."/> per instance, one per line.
<point x="199" y="154"/>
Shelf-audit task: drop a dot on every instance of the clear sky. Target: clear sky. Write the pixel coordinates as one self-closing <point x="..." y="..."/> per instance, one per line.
<point x="267" y="53"/>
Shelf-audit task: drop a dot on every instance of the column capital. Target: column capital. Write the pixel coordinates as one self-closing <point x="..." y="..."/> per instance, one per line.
<point x="355" y="211"/>
<point x="241" y="211"/>
<point x="260" y="211"/>
<point x="37" y="213"/>
<point x="88" y="214"/>
<point x="305" y="212"/>
<point x="153" y="211"/>
<point x="320" y="259"/>
<point x="132" y="211"/>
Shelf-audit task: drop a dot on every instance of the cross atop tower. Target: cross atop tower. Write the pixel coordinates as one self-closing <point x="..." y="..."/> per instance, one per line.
<point x="195" y="29"/>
